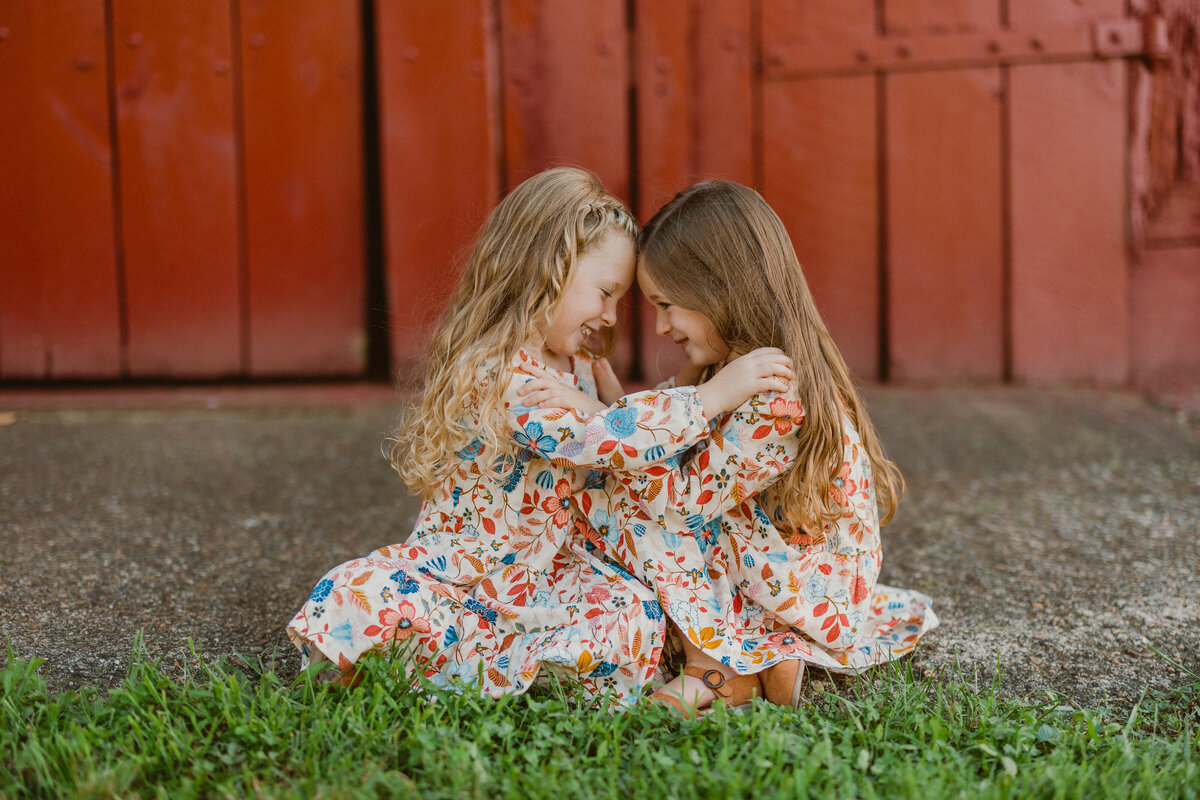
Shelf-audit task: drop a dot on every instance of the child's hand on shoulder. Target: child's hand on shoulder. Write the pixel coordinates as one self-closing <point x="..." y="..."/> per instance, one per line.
<point x="767" y="369"/>
<point x="608" y="386"/>
<point x="546" y="391"/>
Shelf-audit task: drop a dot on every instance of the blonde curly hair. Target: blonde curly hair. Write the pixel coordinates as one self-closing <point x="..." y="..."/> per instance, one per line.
<point x="508" y="294"/>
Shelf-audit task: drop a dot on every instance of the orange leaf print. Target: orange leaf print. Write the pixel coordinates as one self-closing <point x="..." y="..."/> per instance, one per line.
<point x="359" y="598"/>
<point x="497" y="677"/>
<point x="704" y="497"/>
<point x="361" y="579"/>
<point x="637" y="642"/>
<point x="786" y="604"/>
<point x="706" y="638"/>
<point x="762" y="431"/>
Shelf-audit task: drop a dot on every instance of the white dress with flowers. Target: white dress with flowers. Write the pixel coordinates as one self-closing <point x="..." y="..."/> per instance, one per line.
<point x="706" y="532"/>
<point x="493" y="585"/>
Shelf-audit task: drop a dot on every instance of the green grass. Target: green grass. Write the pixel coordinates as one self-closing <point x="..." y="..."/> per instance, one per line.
<point x="235" y="731"/>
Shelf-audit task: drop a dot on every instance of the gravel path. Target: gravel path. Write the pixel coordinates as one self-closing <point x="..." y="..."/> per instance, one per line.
<point x="1056" y="531"/>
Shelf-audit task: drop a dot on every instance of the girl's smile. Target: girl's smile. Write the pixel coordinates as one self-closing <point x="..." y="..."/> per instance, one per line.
<point x="688" y="328"/>
<point x="589" y="302"/>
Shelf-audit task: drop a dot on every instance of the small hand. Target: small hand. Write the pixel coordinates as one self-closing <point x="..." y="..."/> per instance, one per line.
<point x="767" y="369"/>
<point x="546" y="391"/>
<point x="608" y="386"/>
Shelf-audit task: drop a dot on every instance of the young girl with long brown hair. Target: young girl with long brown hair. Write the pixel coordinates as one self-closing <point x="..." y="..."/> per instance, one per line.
<point x="491" y="588"/>
<point x="762" y="542"/>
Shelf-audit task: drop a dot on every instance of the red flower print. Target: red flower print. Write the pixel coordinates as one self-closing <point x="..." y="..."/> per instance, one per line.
<point x="787" y="413"/>
<point x="399" y="625"/>
<point x="788" y="642"/>
<point x="842" y="487"/>
<point x="560" y="504"/>
<point x="598" y="595"/>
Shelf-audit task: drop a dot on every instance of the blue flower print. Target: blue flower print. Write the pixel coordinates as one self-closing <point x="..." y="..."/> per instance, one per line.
<point x="545" y="479"/>
<point x="621" y="422"/>
<point x="438" y="563"/>
<point x="639" y="530"/>
<point x="706" y="537"/>
<point x="760" y="515"/>
<point x="653" y="609"/>
<point x="469" y="452"/>
<point x="322" y="590"/>
<point x="603" y="670"/>
<point x="595" y="479"/>
<point x="814" y="588"/>
<point x="655" y="453"/>
<point x="533" y="439"/>
<point x="694" y="522"/>
<point x="748" y="560"/>
<point x="606" y="525"/>
<point x="480" y="609"/>
<point x="343" y="633"/>
<point x="511" y="558"/>
<point x="406" y="584"/>
<point x="514" y="476"/>
<point x="451" y="637"/>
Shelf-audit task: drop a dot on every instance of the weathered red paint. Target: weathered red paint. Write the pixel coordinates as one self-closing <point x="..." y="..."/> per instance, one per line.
<point x="945" y="225"/>
<point x="1165" y="320"/>
<point x="59" y="308"/>
<point x="440" y="149"/>
<point x="566" y="88"/>
<point x="1070" y="287"/>
<point x="179" y="187"/>
<point x="820" y="173"/>
<point x="303" y="145"/>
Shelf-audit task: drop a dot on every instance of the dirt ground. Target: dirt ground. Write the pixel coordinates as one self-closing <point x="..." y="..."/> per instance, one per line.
<point x="1055" y="530"/>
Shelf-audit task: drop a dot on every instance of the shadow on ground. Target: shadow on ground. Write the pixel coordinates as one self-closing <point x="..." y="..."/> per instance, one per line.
<point x="1056" y="532"/>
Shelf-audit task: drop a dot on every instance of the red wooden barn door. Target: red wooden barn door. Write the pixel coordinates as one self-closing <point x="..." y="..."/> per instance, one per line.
<point x="59" y="281"/>
<point x="952" y="174"/>
<point x="191" y="207"/>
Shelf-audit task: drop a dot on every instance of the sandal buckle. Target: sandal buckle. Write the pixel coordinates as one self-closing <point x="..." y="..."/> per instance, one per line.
<point x="714" y="686"/>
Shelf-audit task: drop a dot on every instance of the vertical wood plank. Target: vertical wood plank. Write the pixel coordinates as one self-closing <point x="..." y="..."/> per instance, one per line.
<point x="820" y="173"/>
<point x="178" y="189"/>
<point x="438" y="111"/>
<point x="566" y="84"/>
<point x="665" y="141"/>
<point x="665" y="99"/>
<point x="1070" y="288"/>
<point x="945" y="225"/>
<point x="724" y="67"/>
<point x="566" y="98"/>
<point x="820" y="170"/>
<point x="302" y="95"/>
<point x="1165" y="320"/>
<point x="59" y="306"/>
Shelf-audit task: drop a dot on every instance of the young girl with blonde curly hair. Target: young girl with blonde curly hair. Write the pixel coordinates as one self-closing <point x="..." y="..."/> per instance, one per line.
<point x="491" y="588"/>
<point x="762" y="541"/>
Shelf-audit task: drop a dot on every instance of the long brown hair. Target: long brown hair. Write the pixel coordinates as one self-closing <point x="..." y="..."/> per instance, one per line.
<point x="508" y="293"/>
<point x="718" y="248"/>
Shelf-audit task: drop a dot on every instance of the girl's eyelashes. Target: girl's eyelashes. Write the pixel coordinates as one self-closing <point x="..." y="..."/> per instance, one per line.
<point x="606" y="293"/>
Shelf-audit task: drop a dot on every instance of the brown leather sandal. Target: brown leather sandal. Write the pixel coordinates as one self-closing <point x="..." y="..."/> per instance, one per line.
<point x="782" y="682"/>
<point x="736" y="691"/>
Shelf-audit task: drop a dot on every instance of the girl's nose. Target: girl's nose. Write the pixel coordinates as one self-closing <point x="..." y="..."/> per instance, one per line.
<point x="610" y="313"/>
<point x="661" y="326"/>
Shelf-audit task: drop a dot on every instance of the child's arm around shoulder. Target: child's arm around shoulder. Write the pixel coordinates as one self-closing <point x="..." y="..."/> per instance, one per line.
<point x="644" y="427"/>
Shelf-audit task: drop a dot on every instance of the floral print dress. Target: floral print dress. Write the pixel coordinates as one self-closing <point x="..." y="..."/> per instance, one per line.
<point x="492" y="586"/>
<point x="706" y="532"/>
